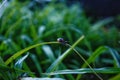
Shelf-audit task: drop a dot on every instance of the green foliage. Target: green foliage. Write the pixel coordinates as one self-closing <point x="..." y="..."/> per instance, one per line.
<point x="23" y="29"/>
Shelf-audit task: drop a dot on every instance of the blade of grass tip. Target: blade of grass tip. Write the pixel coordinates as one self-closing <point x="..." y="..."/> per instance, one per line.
<point x="19" y="63"/>
<point x="9" y="60"/>
<point x="54" y="65"/>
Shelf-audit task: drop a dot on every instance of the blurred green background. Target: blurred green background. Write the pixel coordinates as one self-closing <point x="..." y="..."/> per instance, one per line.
<point x="24" y="23"/>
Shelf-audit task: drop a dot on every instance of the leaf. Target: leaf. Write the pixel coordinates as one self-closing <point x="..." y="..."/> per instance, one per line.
<point x="36" y="62"/>
<point x="48" y="52"/>
<point x="19" y="53"/>
<point x="95" y="54"/>
<point x="30" y="78"/>
<point x="86" y="70"/>
<point x="115" y="55"/>
<point x="101" y="23"/>
<point x="19" y="63"/>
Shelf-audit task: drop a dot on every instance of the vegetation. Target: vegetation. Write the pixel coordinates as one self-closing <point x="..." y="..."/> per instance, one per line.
<point x="29" y="47"/>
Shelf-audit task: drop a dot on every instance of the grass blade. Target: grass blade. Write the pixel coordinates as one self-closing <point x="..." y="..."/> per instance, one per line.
<point x="48" y="52"/>
<point x="37" y="64"/>
<point x="101" y="23"/>
<point x="99" y="51"/>
<point x="95" y="54"/>
<point x="115" y="55"/>
<point x="30" y="78"/>
<point x="9" y="60"/>
<point x="86" y="70"/>
<point x="19" y="63"/>
<point x="59" y="60"/>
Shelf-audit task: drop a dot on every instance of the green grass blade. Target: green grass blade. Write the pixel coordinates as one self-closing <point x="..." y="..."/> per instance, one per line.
<point x="59" y="60"/>
<point x="99" y="51"/>
<point x="115" y="55"/>
<point x="5" y="68"/>
<point x="30" y="78"/>
<point x="19" y="63"/>
<point x="86" y="70"/>
<point x="101" y="23"/>
<point x="13" y="27"/>
<point x="19" y="53"/>
<point x="48" y="52"/>
<point x="37" y="64"/>
<point x="95" y="54"/>
<point x="87" y="63"/>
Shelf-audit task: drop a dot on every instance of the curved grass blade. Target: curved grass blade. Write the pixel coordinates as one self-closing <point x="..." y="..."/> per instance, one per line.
<point x="59" y="60"/>
<point x="86" y="70"/>
<point x="9" y="60"/>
